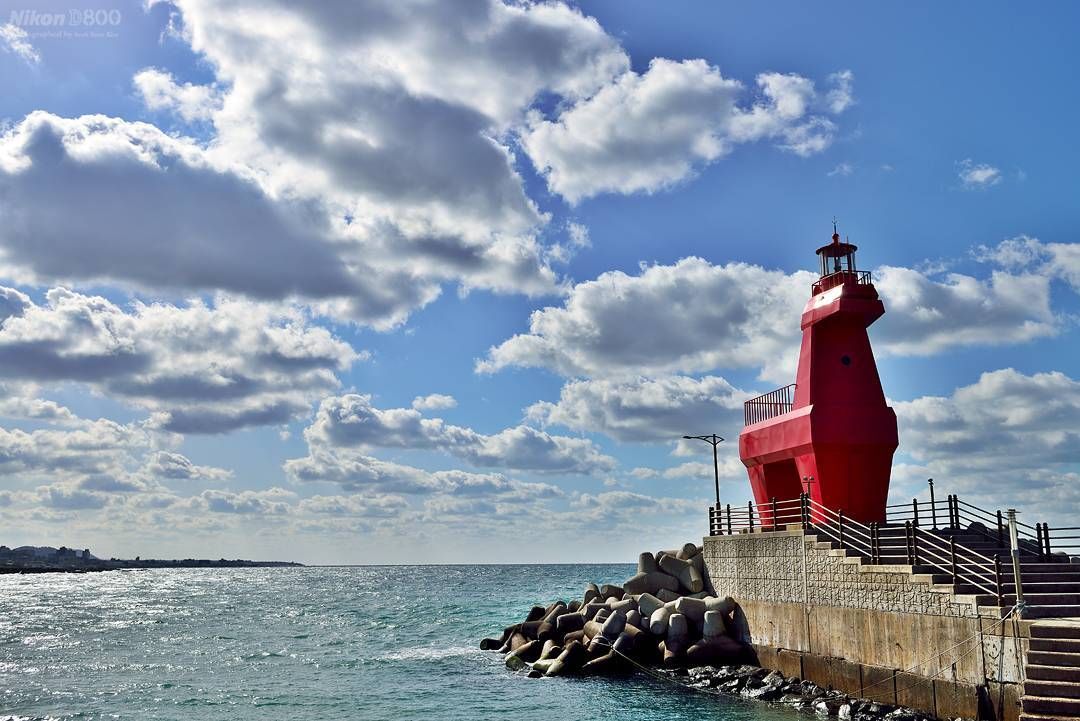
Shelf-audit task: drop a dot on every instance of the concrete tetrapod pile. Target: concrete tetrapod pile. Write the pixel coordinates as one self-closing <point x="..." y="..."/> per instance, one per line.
<point x="662" y="615"/>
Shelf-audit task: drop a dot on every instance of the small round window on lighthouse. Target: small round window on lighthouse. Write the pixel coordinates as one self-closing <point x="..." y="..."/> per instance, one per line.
<point x="845" y="359"/>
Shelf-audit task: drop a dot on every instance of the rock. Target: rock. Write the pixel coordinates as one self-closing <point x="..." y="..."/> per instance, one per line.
<point x="723" y="605"/>
<point x="592" y="629"/>
<point x="569" y="622"/>
<point x="533" y="673"/>
<point x="554" y="611"/>
<point x="542" y="631"/>
<point x="535" y="614"/>
<point x="687" y="552"/>
<point x="714" y="624"/>
<point x="543" y="666"/>
<point x="658" y="622"/>
<point x="613" y="625"/>
<point x="624" y="606"/>
<point x="625" y="644"/>
<point x="602" y="615"/>
<point x="665" y="595"/>
<point x="578" y="636"/>
<point x="515" y="662"/>
<point x="601" y="664"/>
<point x="633" y="618"/>
<point x="571" y="659"/>
<point x="678" y="630"/>
<point x="574" y="606"/>
<point x="652" y="582"/>
<point x="517" y="640"/>
<point x="693" y="609"/>
<point x="688" y="576"/>
<point x="647" y="603"/>
<point x="589" y="610"/>
<point x="608" y="590"/>
<point x="490" y="644"/>
<point x="529" y="651"/>
<point x="720" y="649"/>
<point x="844" y="712"/>
<point x="550" y="650"/>
<point x="646" y="563"/>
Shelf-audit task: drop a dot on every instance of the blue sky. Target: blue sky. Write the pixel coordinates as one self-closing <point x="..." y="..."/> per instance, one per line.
<point x="242" y="243"/>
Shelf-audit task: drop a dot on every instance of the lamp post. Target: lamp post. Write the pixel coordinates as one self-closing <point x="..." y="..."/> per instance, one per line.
<point x="713" y="440"/>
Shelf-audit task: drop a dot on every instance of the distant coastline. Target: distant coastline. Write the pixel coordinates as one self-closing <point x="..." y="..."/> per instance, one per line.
<point x="46" y="559"/>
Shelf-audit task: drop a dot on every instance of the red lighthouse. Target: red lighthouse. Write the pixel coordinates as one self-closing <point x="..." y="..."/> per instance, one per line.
<point x="831" y="433"/>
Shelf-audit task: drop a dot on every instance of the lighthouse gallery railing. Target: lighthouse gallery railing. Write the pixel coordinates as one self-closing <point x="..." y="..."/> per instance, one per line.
<point x="772" y="404"/>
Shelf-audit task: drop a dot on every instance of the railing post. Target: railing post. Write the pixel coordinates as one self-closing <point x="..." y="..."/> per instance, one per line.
<point x="1001" y="530"/>
<point x="804" y="511"/>
<point x="1039" y="540"/>
<point x="907" y="542"/>
<point x="729" y="519"/>
<point x="841" y="515"/>
<point x="750" y="514"/>
<point x="954" y="512"/>
<point x="997" y="580"/>
<point x="915" y="512"/>
<point x="875" y="551"/>
<point x="952" y="559"/>
<point x="1014" y="546"/>
<point x="915" y="544"/>
<point x="774" y="522"/>
<point x="1046" y="539"/>
<point x="933" y="504"/>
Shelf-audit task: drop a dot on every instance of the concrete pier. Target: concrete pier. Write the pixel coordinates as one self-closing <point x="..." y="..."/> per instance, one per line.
<point x="878" y="631"/>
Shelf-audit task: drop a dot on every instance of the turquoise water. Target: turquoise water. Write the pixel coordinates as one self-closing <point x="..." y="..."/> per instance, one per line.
<point x="376" y="642"/>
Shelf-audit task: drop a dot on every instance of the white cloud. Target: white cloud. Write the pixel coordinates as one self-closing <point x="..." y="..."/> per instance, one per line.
<point x="1009" y="439"/>
<point x="977" y="175"/>
<point x="647" y="131"/>
<point x="842" y="170"/>
<point x="924" y="316"/>
<point x="434" y="402"/>
<point x="842" y="95"/>
<point x="196" y="368"/>
<point x="693" y="316"/>
<point x="14" y="39"/>
<point x="686" y="317"/>
<point x="160" y="91"/>
<point x="352" y="422"/>
<point x="1024" y="253"/>
<point x="643" y="409"/>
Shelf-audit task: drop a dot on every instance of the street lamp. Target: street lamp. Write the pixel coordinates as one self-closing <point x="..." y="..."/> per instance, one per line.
<point x="713" y="440"/>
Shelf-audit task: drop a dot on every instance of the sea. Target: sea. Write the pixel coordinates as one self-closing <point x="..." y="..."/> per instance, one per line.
<point x="318" y="643"/>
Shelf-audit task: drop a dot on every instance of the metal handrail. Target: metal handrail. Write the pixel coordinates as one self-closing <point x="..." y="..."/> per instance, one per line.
<point x="825" y="282"/>
<point x="769" y="405"/>
<point x="962" y="564"/>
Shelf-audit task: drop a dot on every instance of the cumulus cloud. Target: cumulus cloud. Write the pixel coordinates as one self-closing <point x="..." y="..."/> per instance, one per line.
<point x="167" y="465"/>
<point x="694" y="316"/>
<point x="15" y="40"/>
<point x="999" y="439"/>
<point x="196" y="368"/>
<point x="643" y="409"/>
<point x="1024" y="253"/>
<point x="646" y="131"/>
<point x="977" y="175"/>
<point x="685" y="317"/>
<point x="351" y="421"/>
<point x="160" y="91"/>
<point x="434" y="402"/>
<point x="925" y="316"/>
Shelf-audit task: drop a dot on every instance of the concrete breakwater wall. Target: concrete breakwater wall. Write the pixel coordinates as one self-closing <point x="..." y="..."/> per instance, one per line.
<point x="879" y="632"/>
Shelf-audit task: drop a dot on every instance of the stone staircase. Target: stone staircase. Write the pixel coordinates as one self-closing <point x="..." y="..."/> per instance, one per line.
<point x="1051" y="585"/>
<point x="1052" y="671"/>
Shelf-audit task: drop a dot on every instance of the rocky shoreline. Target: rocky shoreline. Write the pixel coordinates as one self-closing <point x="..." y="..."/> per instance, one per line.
<point x="663" y="620"/>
